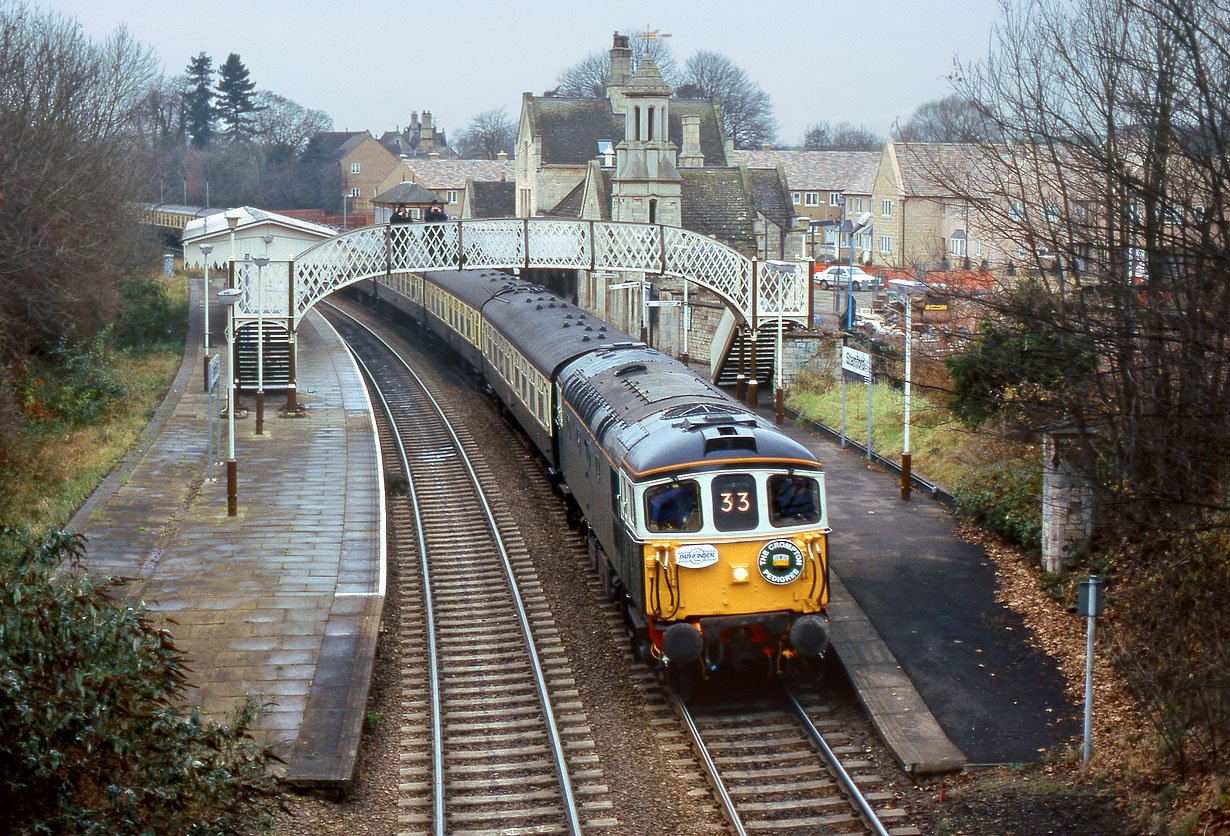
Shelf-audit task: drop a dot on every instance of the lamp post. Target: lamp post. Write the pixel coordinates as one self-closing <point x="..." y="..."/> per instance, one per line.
<point x="855" y="228"/>
<point x="206" y="249"/>
<point x="907" y="293"/>
<point x="228" y="297"/>
<point x="260" y="261"/>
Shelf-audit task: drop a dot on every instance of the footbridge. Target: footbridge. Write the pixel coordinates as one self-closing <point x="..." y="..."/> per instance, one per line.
<point x="279" y="294"/>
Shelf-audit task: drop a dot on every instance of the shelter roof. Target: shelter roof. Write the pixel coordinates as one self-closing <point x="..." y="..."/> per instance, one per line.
<point x="406" y="192"/>
<point x="215" y="224"/>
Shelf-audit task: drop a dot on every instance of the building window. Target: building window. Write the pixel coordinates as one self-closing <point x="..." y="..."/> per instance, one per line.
<point x="450" y="196"/>
<point x="354" y="192"/>
<point x="886" y="244"/>
<point x="835" y="199"/>
<point x="886" y="208"/>
<point x="978" y="249"/>
<point x="811" y="199"/>
<point x="864" y="240"/>
<point x="354" y="168"/>
<point x="956" y="247"/>
<point x="796" y="198"/>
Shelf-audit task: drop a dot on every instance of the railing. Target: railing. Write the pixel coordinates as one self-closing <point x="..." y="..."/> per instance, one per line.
<point x="754" y="290"/>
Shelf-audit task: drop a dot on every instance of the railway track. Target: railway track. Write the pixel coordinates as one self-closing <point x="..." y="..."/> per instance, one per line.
<point x="492" y="738"/>
<point x="761" y="762"/>
<point x="772" y="768"/>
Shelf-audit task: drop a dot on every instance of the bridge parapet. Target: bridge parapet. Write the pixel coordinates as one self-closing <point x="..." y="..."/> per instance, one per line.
<point x="753" y="290"/>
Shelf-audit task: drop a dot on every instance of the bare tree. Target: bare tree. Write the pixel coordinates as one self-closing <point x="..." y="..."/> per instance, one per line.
<point x="1110" y="185"/>
<point x="72" y="169"/>
<point x="842" y="136"/>
<point x="1112" y="189"/>
<point x="490" y="133"/>
<point x="284" y="126"/>
<point x="747" y="112"/>
<point x="950" y="119"/>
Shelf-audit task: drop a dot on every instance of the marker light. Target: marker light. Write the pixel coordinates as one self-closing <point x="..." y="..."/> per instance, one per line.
<point x="740" y="574"/>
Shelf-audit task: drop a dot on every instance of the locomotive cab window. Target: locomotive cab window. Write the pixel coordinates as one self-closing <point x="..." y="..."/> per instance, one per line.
<point x="674" y="506"/>
<point x="793" y="500"/>
<point x="734" y="502"/>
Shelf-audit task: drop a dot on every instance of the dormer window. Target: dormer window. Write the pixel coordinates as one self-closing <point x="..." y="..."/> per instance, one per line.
<point x="606" y="150"/>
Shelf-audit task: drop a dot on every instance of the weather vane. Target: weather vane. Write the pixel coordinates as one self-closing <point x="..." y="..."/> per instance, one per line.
<point x="652" y="35"/>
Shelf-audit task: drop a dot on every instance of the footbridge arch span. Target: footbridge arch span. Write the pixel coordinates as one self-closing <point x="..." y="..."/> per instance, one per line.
<point x="754" y="290"/>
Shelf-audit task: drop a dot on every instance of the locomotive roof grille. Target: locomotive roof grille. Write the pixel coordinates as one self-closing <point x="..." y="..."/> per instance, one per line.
<point x="728" y="438"/>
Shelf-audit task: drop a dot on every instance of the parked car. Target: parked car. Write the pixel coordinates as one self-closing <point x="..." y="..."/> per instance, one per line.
<point x="841" y="276"/>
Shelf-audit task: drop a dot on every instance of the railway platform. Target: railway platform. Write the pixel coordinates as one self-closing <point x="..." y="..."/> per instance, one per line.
<point x="946" y="672"/>
<point x="282" y="601"/>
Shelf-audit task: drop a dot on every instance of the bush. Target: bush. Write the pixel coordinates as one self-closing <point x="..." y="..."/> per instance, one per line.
<point x="1006" y="498"/>
<point x="73" y="384"/>
<point x="90" y="739"/>
<point x="148" y="319"/>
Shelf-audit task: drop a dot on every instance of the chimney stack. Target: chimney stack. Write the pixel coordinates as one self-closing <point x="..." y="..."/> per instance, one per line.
<point x="621" y="71"/>
<point x="690" y="155"/>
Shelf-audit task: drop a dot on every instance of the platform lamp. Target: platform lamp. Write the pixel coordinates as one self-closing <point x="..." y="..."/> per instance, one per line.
<point x="229" y="297"/>
<point x="907" y="293"/>
<point x="206" y="249"/>
<point x="260" y="261"/>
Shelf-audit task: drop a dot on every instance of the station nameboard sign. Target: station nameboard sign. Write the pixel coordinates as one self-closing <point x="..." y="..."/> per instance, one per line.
<point x="858" y="362"/>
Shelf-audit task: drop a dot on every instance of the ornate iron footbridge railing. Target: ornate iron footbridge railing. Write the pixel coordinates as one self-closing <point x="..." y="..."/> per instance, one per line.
<point x="754" y="290"/>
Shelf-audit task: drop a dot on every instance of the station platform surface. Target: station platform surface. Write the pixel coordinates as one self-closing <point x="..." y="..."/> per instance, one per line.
<point x="282" y="601"/>
<point x="946" y="672"/>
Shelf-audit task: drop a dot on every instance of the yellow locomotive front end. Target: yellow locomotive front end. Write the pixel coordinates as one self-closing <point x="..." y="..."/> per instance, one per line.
<point x="735" y="567"/>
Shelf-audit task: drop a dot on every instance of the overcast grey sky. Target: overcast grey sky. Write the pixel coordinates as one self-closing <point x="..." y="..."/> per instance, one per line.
<point x="370" y="63"/>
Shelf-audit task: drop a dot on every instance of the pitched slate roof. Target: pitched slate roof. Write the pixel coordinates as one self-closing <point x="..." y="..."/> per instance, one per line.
<point x="570" y="128"/>
<point x="715" y="203"/>
<point x="770" y="196"/>
<point x="843" y="171"/>
<point x="921" y="162"/>
<point x="452" y="174"/>
<point x="340" y="143"/>
<point x="571" y="205"/>
<point x="492" y="198"/>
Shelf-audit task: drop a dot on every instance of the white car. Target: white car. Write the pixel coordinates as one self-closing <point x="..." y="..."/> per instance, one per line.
<point x="841" y="276"/>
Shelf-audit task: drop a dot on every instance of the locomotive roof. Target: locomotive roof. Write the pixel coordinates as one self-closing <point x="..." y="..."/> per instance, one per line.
<point x="653" y="412"/>
<point x="548" y="330"/>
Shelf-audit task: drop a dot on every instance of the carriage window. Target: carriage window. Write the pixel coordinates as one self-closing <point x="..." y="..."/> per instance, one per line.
<point x="734" y="502"/>
<point x="673" y="507"/>
<point x="793" y="500"/>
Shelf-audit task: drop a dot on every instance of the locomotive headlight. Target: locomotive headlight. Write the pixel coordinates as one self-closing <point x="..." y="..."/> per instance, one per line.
<point x="738" y="574"/>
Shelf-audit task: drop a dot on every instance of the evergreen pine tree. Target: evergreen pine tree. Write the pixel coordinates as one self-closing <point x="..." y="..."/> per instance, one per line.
<point x="235" y="99"/>
<point x="199" y="101"/>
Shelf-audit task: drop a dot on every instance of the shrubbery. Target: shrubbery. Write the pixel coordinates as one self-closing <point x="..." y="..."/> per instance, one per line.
<point x="90" y="739"/>
<point x="1006" y="498"/>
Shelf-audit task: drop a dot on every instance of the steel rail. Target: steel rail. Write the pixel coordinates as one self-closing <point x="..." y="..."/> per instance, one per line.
<point x="437" y="722"/>
<point x="711" y="770"/>
<point x="847" y="784"/>
<point x="567" y="796"/>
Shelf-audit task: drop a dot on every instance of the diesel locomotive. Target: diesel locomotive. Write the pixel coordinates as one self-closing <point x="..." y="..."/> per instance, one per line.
<point x="705" y="522"/>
